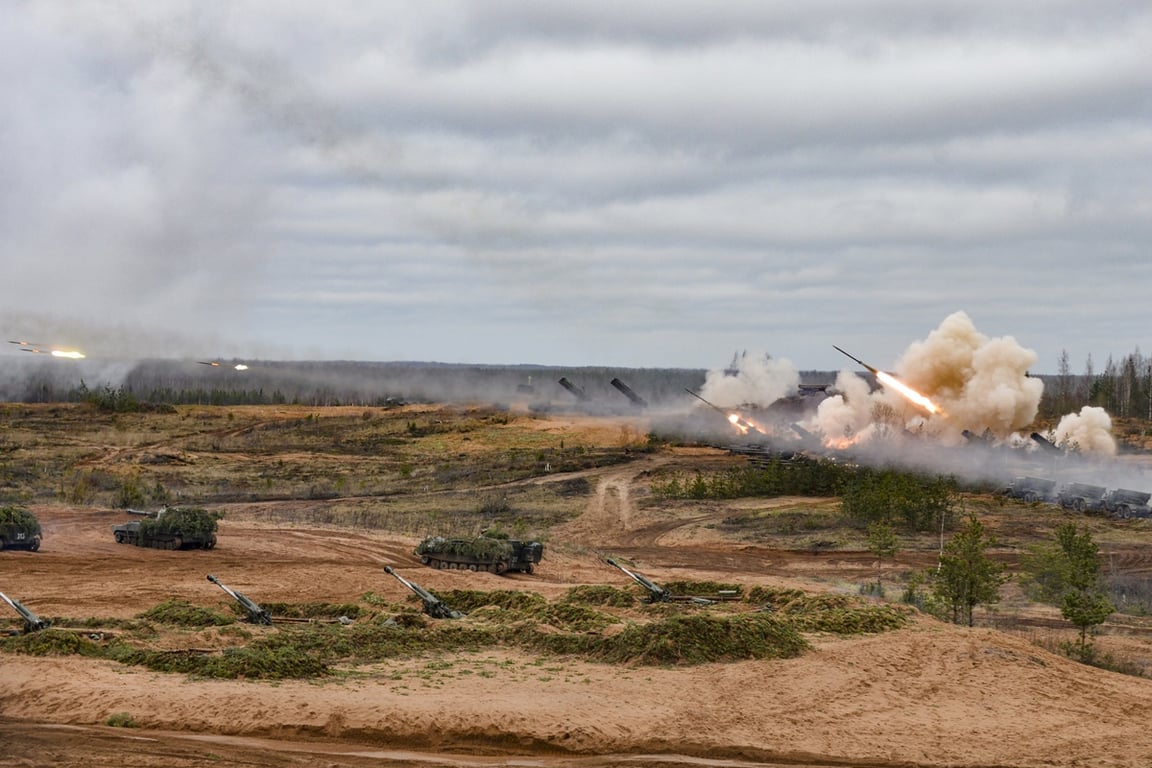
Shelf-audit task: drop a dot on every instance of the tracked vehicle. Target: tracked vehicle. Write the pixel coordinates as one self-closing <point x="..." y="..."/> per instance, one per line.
<point x="19" y="529"/>
<point x="169" y="528"/>
<point x="482" y="553"/>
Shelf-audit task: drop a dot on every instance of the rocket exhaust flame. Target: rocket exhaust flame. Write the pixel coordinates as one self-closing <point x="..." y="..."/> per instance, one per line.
<point x="743" y="425"/>
<point x="40" y="349"/>
<point x="888" y="380"/>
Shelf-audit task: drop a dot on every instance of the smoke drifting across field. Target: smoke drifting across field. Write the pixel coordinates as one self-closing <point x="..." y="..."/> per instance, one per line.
<point x="982" y="396"/>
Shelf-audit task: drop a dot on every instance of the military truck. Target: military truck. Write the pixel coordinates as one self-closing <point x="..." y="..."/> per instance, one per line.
<point x="482" y="553"/>
<point x="1081" y="497"/>
<point x="169" y="528"/>
<point x="1030" y="489"/>
<point x="19" y="529"/>
<point x="1124" y="503"/>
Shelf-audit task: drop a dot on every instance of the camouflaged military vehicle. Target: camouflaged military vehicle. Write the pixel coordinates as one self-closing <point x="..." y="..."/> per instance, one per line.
<point x="19" y="529"/>
<point x="482" y="553"/>
<point x="169" y="528"/>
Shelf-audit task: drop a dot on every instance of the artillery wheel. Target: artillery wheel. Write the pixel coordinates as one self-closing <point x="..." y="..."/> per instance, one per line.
<point x="35" y="545"/>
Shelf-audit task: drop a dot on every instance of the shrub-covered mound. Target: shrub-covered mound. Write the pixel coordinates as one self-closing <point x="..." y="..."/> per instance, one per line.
<point x="575" y="625"/>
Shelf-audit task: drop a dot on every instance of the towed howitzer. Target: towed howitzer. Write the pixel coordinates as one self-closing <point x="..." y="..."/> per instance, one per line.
<point x="32" y="622"/>
<point x="256" y="614"/>
<point x="657" y="593"/>
<point x="433" y="606"/>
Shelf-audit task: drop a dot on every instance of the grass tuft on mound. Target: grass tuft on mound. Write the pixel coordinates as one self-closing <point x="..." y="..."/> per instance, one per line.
<point x="181" y="613"/>
<point x="684" y="640"/>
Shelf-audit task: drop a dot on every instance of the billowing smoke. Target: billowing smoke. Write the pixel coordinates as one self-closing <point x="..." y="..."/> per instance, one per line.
<point x="754" y="380"/>
<point x="846" y="417"/>
<point x="980" y="385"/>
<point x="1089" y="431"/>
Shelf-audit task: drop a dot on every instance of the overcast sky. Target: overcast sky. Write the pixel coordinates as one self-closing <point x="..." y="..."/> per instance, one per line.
<point x="645" y="183"/>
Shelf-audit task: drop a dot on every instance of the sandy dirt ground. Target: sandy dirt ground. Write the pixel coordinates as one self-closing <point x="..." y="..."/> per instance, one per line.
<point x="928" y="695"/>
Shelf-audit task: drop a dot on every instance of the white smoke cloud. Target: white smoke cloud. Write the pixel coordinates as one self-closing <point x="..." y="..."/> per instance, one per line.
<point x="1089" y="431"/>
<point x="755" y="380"/>
<point x="979" y="383"/>
<point x="845" y="417"/>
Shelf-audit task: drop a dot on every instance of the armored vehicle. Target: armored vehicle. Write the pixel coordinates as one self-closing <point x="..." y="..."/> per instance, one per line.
<point x="169" y="528"/>
<point x="1081" y="497"/>
<point x="1031" y="489"/>
<point x="19" y="529"/>
<point x="482" y="553"/>
<point x="1123" y="503"/>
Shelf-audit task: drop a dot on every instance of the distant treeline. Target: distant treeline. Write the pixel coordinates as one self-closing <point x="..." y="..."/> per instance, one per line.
<point x="335" y="383"/>
<point x="1123" y="388"/>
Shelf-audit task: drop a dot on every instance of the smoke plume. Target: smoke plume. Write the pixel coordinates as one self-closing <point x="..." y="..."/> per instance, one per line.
<point x="981" y="385"/>
<point x="754" y="380"/>
<point x="1089" y="431"/>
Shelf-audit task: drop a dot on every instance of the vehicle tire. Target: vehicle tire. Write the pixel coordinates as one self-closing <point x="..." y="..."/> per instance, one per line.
<point x="1031" y="498"/>
<point x="528" y="568"/>
<point x="444" y="565"/>
<point x="500" y="567"/>
<point x="35" y="545"/>
<point x="1123" y="512"/>
<point x="1" y="542"/>
<point x="211" y="543"/>
<point x="472" y="567"/>
<point x="425" y="559"/>
<point x="1079" y="505"/>
<point x="119" y="537"/>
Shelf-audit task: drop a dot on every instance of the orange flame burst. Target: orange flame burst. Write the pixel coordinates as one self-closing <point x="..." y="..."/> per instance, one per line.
<point x="742" y="424"/>
<point x="889" y="380"/>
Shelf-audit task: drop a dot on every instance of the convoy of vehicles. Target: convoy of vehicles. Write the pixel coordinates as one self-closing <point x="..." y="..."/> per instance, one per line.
<point x="1120" y="503"/>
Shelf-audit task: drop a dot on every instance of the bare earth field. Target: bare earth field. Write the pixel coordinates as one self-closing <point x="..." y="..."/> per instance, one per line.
<point x="930" y="694"/>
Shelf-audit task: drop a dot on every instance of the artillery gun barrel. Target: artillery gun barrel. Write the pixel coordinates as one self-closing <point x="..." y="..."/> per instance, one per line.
<point x="658" y="593"/>
<point x="433" y="606"/>
<point x="256" y="614"/>
<point x="32" y="622"/>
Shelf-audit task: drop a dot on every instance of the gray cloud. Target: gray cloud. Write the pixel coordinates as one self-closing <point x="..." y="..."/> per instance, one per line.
<point x="647" y="184"/>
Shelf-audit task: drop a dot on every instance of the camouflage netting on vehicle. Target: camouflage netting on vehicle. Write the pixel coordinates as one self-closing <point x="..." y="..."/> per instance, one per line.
<point x="18" y="518"/>
<point x="479" y="548"/>
<point x="189" y="521"/>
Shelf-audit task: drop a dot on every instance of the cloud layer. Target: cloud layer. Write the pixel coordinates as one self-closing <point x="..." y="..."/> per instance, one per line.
<point x="559" y="183"/>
